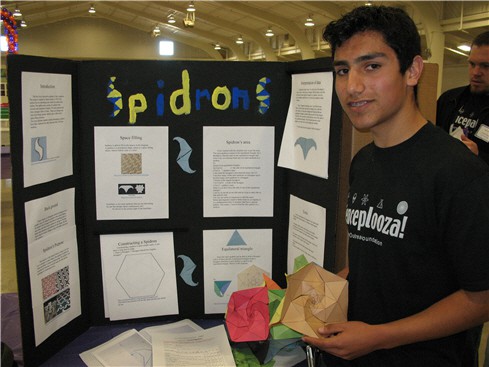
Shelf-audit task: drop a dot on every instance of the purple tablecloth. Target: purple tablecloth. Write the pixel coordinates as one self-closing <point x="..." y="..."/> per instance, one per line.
<point x="96" y="335"/>
<point x="11" y="334"/>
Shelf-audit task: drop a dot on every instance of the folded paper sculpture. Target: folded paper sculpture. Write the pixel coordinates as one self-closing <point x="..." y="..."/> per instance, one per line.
<point x="278" y="331"/>
<point x="275" y="304"/>
<point x="314" y="297"/>
<point x="247" y="315"/>
<point x="270" y="283"/>
<point x="299" y="262"/>
<point x="266" y="351"/>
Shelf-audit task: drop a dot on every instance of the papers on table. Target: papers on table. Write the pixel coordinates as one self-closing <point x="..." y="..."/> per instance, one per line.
<point x="182" y="343"/>
<point x="208" y="347"/>
<point x="130" y="349"/>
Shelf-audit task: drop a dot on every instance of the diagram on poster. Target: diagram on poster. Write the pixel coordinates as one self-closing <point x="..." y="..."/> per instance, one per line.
<point x="183" y="158"/>
<point x="238" y="171"/>
<point x="139" y="275"/>
<point x="187" y="271"/>
<point x="47" y="125"/>
<point x="305" y="142"/>
<point x="233" y="260"/>
<point x="55" y="282"/>
<point x="307" y="233"/>
<point x="131" y="172"/>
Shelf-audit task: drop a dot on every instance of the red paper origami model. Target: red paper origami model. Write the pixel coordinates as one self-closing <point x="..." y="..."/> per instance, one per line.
<point x="314" y="297"/>
<point x="247" y="315"/>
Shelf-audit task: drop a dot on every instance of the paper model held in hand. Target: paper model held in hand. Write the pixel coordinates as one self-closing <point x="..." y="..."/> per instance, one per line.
<point x="314" y="297"/>
<point x="457" y="133"/>
<point x="247" y="315"/>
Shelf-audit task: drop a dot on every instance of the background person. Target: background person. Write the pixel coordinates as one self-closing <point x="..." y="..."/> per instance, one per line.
<point x="468" y="107"/>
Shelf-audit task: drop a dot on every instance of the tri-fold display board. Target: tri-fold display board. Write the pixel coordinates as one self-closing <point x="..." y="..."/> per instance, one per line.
<point x="150" y="190"/>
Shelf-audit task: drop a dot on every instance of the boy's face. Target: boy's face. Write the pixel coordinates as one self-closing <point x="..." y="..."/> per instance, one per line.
<point x="479" y="69"/>
<point x="372" y="91"/>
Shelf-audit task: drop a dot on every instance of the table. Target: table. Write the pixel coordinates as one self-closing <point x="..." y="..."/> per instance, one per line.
<point x="96" y="335"/>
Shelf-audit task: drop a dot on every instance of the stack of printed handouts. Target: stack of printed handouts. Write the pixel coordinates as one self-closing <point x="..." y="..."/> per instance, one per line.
<point x="182" y="343"/>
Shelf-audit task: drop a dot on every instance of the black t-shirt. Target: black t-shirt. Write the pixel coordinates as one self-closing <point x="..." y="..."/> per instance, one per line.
<point x="468" y="114"/>
<point x="460" y="108"/>
<point x="417" y="216"/>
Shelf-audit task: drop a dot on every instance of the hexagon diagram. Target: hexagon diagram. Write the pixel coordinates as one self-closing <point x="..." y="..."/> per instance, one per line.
<point x="140" y="275"/>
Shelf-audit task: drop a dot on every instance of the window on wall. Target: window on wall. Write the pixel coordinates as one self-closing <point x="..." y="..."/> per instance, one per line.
<point x="166" y="48"/>
<point x="3" y="43"/>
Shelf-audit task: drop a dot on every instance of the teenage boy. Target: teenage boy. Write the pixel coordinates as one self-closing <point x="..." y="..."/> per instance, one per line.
<point x="468" y="107"/>
<point x="417" y="210"/>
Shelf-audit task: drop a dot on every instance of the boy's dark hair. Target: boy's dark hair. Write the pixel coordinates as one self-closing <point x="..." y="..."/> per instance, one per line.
<point x="481" y="40"/>
<point x="397" y="28"/>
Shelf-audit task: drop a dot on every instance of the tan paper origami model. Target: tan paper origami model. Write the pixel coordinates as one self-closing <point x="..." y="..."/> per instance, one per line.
<point x="314" y="297"/>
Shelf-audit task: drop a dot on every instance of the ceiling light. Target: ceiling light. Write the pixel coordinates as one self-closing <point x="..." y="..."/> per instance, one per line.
<point x="23" y="24"/>
<point x="92" y="10"/>
<point x="269" y="32"/>
<point x="156" y="31"/>
<point x="464" y="47"/>
<point x="239" y="40"/>
<point x="309" y="22"/>
<point x="191" y="7"/>
<point x="17" y="13"/>
<point x="217" y="46"/>
<point x="456" y="51"/>
<point x="189" y="20"/>
<point x="368" y="3"/>
<point x="171" y="19"/>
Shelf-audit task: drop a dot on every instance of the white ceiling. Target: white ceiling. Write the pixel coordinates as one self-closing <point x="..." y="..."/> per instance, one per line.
<point x="223" y="21"/>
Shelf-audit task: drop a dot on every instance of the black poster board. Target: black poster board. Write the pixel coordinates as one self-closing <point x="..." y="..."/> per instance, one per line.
<point x="156" y="81"/>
